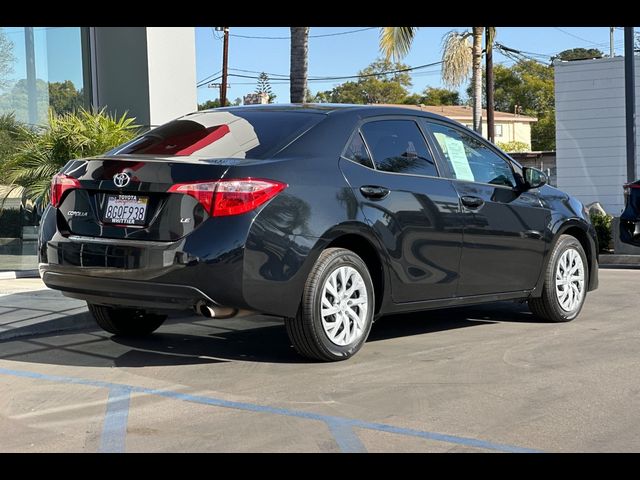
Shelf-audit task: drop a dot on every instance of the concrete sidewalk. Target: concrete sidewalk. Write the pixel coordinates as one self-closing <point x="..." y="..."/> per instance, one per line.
<point x="28" y="307"/>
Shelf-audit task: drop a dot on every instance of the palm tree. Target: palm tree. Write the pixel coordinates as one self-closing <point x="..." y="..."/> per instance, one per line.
<point x="299" y="64"/>
<point x="459" y="58"/>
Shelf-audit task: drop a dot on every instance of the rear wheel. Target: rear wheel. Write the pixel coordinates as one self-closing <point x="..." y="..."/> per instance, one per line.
<point x="126" y="321"/>
<point x="336" y="312"/>
<point x="565" y="283"/>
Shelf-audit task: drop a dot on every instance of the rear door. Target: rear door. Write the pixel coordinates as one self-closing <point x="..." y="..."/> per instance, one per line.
<point x="414" y="211"/>
<point x="504" y="242"/>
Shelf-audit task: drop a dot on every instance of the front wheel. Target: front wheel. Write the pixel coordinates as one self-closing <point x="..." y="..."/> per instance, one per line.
<point x="565" y="283"/>
<point x="336" y="312"/>
<point x="126" y="321"/>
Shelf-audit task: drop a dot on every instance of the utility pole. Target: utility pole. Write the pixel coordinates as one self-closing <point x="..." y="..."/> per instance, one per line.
<point x="611" y="49"/>
<point x="225" y="57"/>
<point x="489" y="84"/>
<point x="630" y="102"/>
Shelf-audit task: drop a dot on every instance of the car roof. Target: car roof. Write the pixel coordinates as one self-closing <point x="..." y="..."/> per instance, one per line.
<point x="336" y="108"/>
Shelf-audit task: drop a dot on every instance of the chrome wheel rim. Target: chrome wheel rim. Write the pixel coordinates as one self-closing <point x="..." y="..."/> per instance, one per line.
<point x="344" y="306"/>
<point x="570" y="280"/>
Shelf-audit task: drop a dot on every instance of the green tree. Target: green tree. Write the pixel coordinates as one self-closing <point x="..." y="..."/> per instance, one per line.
<point x="64" y="98"/>
<point x="375" y="85"/>
<point x="6" y="59"/>
<point x="434" y="96"/>
<point x="264" y="86"/>
<point x="578" y="54"/>
<point x="441" y="96"/>
<point x="299" y="64"/>
<point x="67" y="136"/>
<point x="529" y="85"/>
<point x="216" y="103"/>
<point x="209" y="104"/>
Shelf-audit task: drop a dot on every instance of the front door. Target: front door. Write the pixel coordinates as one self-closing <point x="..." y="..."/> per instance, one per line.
<point x="504" y="227"/>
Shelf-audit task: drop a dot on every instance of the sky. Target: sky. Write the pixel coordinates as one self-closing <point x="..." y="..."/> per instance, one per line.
<point x="58" y="53"/>
<point x="343" y="55"/>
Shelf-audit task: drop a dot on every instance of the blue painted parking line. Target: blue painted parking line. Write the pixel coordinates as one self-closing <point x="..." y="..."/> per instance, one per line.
<point x="114" y="427"/>
<point x="347" y="440"/>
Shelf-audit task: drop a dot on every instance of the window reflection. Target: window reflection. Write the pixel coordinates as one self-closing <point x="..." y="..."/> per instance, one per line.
<point x="40" y="68"/>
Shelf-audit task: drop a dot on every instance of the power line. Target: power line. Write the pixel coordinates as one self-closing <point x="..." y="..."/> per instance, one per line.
<point x="255" y="71"/>
<point x="285" y="78"/>
<point x="259" y="37"/>
<point x="206" y="79"/>
<point x="205" y="83"/>
<point x="580" y="38"/>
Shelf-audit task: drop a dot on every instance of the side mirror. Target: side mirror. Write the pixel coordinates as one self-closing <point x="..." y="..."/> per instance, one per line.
<point x="534" y="178"/>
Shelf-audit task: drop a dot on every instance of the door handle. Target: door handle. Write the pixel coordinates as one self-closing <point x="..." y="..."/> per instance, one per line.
<point x="374" y="192"/>
<point x="472" y="202"/>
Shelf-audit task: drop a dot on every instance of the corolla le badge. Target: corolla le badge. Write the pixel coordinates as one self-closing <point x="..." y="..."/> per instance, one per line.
<point x="121" y="179"/>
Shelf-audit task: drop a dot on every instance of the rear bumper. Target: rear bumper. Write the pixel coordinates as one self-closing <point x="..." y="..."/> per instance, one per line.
<point x="232" y="262"/>
<point x="107" y="291"/>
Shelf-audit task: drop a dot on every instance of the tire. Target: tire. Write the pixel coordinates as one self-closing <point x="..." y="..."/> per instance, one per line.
<point x="126" y="321"/>
<point x="340" y="335"/>
<point x="549" y="306"/>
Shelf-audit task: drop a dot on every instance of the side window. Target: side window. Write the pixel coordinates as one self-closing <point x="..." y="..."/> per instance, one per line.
<point x="470" y="159"/>
<point x="357" y="152"/>
<point x="398" y="146"/>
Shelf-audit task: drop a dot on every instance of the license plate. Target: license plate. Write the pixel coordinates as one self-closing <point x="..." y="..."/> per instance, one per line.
<point x="126" y="209"/>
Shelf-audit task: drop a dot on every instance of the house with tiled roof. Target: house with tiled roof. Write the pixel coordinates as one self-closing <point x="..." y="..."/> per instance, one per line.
<point x="509" y="127"/>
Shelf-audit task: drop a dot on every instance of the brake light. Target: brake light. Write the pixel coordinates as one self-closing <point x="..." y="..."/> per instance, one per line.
<point x="60" y="183"/>
<point x="231" y="197"/>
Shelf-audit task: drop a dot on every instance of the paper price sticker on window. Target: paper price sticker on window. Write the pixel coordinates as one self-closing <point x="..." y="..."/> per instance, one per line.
<point x="454" y="150"/>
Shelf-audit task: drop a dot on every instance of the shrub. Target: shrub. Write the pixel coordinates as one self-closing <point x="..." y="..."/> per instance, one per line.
<point x="43" y="152"/>
<point x="510" y="147"/>
<point x="602" y="224"/>
<point x="12" y="134"/>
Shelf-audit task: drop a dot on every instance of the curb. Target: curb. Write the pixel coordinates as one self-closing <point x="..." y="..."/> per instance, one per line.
<point x="10" y="275"/>
<point x="619" y="261"/>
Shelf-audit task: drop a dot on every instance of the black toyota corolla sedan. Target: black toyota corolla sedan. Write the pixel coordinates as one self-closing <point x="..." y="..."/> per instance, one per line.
<point x="326" y="215"/>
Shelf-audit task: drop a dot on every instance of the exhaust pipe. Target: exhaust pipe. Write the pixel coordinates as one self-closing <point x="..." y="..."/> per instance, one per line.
<point x="214" y="311"/>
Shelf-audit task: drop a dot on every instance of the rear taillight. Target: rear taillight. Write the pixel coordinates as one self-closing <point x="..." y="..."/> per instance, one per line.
<point x="60" y="184"/>
<point x="231" y="197"/>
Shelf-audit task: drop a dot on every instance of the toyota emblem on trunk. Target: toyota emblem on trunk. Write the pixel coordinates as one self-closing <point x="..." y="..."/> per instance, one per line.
<point x="121" y="179"/>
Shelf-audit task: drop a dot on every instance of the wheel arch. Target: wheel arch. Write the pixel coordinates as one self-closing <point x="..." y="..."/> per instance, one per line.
<point x="580" y="230"/>
<point x="365" y="249"/>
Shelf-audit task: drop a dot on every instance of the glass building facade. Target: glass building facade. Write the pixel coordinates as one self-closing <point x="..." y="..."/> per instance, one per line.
<point x="41" y="69"/>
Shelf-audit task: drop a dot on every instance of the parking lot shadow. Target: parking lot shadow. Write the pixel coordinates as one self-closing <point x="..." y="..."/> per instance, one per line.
<point x="416" y="323"/>
<point x="186" y="341"/>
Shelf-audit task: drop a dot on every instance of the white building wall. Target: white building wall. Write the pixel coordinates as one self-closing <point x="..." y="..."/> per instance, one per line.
<point x="148" y="72"/>
<point x="590" y="130"/>
<point x="171" y="53"/>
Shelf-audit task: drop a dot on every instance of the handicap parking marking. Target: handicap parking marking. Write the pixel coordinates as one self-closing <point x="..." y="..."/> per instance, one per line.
<point x="114" y="430"/>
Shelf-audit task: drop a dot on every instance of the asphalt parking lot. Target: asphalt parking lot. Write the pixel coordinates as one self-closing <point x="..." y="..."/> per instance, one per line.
<point x="487" y="378"/>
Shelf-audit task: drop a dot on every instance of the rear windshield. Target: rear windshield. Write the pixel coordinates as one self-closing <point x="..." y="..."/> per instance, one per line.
<point x="223" y="134"/>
